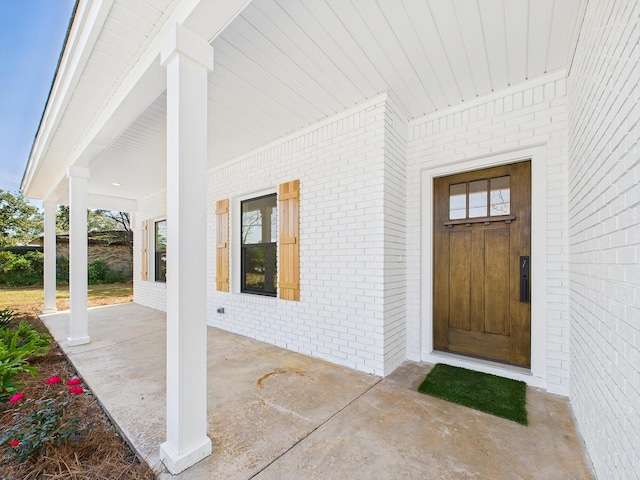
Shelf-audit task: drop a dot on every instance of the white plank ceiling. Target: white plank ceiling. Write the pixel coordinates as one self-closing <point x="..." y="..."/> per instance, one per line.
<point x="283" y="65"/>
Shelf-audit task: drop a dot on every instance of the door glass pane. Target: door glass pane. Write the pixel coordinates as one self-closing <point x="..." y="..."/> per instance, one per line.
<point x="478" y="199"/>
<point x="457" y="201"/>
<point x="500" y="196"/>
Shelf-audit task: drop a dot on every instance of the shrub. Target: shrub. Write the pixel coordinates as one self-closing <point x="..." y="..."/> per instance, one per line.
<point x="16" y="269"/>
<point x="101" y="272"/>
<point x="17" y="346"/>
<point x="44" y="422"/>
<point x="62" y="270"/>
<point x="36" y="262"/>
<point x="22" y="249"/>
<point x="27" y="269"/>
<point x="6" y="316"/>
<point x="98" y="270"/>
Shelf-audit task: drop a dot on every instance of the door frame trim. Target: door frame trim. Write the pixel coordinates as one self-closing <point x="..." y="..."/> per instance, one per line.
<point x="537" y="154"/>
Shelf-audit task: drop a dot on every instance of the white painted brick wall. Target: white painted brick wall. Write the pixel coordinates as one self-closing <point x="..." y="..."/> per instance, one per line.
<point x="525" y="115"/>
<point x="395" y="235"/>
<point x="340" y="315"/>
<point x="149" y="293"/>
<point x="604" y="209"/>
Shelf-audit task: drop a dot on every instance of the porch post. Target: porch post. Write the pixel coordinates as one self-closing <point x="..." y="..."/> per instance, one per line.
<point x="188" y="60"/>
<point x="50" y="208"/>
<point x="78" y="316"/>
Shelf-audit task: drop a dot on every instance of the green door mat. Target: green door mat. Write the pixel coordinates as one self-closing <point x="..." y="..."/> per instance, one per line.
<point x="488" y="393"/>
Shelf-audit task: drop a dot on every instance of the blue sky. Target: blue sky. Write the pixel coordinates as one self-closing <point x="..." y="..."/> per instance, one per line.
<point x="31" y="36"/>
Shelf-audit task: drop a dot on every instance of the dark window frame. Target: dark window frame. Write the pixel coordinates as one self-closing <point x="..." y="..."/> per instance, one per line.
<point x="266" y="246"/>
<point x="159" y="255"/>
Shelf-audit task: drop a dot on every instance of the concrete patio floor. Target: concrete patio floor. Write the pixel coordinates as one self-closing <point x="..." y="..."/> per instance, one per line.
<point x="275" y="414"/>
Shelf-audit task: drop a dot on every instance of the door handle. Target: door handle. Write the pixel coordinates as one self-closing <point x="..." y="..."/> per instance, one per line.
<point x="525" y="284"/>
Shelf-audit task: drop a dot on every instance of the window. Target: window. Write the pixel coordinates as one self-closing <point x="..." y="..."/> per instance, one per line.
<point x="258" y="249"/>
<point x="160" y="251"/>
<point x="480" y="199"/>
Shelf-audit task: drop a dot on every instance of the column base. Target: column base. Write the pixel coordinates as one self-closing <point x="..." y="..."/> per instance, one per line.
<point x="177" y="463"/>
<point x="46" y="311"/>
<point x="72" y="342"/>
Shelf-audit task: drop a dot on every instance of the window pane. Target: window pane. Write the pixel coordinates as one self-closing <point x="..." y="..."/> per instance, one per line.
<point x="457" y="201"/>
<point x="259" y="220"/>
<point x="161" y="267"/>
<point x="260" y="269"/>
<point x="478" y="199"/>
<point x="259" y="229"/>
<point x="500" y="196"/>
<point x="160" y="253"/>
<point x="161" y="235"/>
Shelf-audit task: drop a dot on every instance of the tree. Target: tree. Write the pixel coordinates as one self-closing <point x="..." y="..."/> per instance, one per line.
<point x="20" y="222"/>
<point x="117" y="224"/>
<point x="97" y="220"/>
<point x="62" y="219"/>
<point x="118" y="221"/>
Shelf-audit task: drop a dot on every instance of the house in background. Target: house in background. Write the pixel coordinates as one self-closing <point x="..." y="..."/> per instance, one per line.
<point x="365" y="182"/>
<point x="112" y="246"/>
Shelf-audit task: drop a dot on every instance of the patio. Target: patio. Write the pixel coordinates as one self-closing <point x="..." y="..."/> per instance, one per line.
<point x="276" y="414"/>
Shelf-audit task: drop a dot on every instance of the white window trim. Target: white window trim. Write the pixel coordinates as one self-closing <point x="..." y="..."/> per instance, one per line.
<point x="235" y="283"/>
<point x="537" y="375"/>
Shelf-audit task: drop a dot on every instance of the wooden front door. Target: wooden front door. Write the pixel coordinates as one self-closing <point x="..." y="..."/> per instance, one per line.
<point x="482" y="245"/>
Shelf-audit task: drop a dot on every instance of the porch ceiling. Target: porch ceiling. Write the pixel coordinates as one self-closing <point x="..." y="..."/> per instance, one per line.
<point x="282" y="65"/>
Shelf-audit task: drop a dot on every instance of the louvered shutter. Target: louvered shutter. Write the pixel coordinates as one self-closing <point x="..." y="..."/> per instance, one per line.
<point x="289" y="240"/>
<point x="222" y="245"/>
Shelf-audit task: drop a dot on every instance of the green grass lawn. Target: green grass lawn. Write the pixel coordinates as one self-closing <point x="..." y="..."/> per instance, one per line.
<point x="30" y="299"/>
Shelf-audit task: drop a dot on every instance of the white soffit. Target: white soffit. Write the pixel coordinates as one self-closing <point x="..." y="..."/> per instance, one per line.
<point x="127" y="29"/>
<point x="283" y="65"/>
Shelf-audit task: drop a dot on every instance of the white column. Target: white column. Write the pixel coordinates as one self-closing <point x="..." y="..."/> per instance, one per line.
<point x="50" y="208"/>
<point x="78" y="316"/>
<point x="188" y="60"/>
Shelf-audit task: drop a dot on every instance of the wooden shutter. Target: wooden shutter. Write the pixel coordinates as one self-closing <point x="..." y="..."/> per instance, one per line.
<point x="289" y="240"/>
<point x="144" y="269"/>
<point x="222" y="245"/>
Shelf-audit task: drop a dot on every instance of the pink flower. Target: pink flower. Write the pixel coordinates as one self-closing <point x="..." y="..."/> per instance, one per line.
<point x="15" y="443"/>
<point x="74" y="381"/>
<point x="53" y="380"/>
<point x="76" y="390"/>
<point x="16" y="398"/>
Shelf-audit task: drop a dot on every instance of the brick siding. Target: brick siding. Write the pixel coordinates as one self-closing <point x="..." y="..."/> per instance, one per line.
<point x="149" y="293"/>
<point x="604" y="213"/>
<point x="530" y="114"/>
<point x="361" y="249"/>
<point x="340" y="315"/>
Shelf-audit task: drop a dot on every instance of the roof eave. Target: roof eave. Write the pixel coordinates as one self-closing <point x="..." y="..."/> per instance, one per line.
<point x="84" y="26"/>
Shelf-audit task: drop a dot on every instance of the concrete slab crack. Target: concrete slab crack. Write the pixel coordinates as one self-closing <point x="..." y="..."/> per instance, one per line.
<point x="299" y="441"/>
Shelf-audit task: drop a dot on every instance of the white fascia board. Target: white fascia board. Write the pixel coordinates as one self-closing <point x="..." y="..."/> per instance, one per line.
<point x="87" y="24"/>
<point x="107" y="202"/>
<point x="102" y="202"/>
<point x="210" y="18"/>
<point x="146" y="79"/>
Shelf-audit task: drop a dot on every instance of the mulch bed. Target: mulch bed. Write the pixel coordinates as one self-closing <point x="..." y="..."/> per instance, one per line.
<point x="102" y="454"/>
